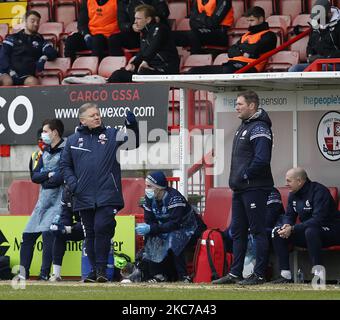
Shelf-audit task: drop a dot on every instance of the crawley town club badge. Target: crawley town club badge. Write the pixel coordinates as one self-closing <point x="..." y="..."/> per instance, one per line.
<point x="328" y="136"/>
<point x="102" y="138"/>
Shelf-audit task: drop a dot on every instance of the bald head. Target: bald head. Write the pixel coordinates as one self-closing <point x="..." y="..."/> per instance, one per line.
<point x="296" y="178"/>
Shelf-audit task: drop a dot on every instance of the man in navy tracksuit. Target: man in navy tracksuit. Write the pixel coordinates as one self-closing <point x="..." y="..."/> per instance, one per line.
<point x="252" y="181"/>
<point x="66" y="227"/>
<point x="92" y="172"/>
<point x="24" y="53"/>
<point x="319" y="225"/>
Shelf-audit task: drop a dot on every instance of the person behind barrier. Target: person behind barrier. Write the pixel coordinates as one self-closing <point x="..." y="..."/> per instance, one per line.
<point x="252" y="45"/>
<point x="158" y="53"/>
<point x="47" y="173"/>
<point x="170" y="223"/>
<point x="319" y="226"/>
<point x="324" y="40"/>
<point x="274" y="216"/>
<point x="251" y="181"/>
<point x="92" y="172"/>
<point x="97" y="23"/>
<point x="129" y="36"/>
<point x="66" y="227"/>
<point x="209" y="23"/>
<point x="24" y="53"/>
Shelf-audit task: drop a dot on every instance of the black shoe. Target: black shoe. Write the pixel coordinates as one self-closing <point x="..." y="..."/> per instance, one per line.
<point x="281" y="280"/>
<point x="91" y="277"/>
<point x="228" y="279"/>
<point x="101" y="275"/>
<point x="43" y="277"/>
<point x="252" y="280"/>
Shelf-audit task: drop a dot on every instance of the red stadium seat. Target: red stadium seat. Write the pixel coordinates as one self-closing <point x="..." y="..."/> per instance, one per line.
<point x="239" y="7"/>
<point x="183" y="25"/>
<point x="133" y="190"/>
<point x="195" y="60"/>
<point x="65" y="11"/>
<point x="110" y="64"/>
<point x="178" y="10"/>
<point x="44" y="7"/>
<point x="282" y="61"/>
<point x="54" y="71"/>
<point x="51" y="31"/>
<point x="220" y="59"/>
<point x="291" y="7"/>
<point x="217" y="214"/>
<point x="84" y="66"/>
<point x="22" y="197"/>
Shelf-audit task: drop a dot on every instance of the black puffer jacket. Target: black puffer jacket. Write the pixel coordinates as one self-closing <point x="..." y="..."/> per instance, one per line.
<point x="158" y="49"/>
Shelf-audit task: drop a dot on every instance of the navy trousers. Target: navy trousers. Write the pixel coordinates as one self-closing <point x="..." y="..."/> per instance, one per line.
<point x="249" y="213"/>
<point x="312" y="238"/>
<point x="99" y="225"/>
<point x="173" y="267"/>
<point x="27" y="250"/>
<point x="59" y="246"/>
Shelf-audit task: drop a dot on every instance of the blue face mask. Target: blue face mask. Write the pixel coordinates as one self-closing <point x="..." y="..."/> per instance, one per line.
<point x="46" y="138"/>
<point x="150" y="193"/>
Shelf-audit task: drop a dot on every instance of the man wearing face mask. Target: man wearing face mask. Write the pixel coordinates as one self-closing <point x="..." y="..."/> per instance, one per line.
<point x="46" y="173"/>
<point x="170" y="223"/>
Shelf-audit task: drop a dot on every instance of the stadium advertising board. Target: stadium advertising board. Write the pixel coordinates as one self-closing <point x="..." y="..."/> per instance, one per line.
<point x="11" y="228"/>
<point x="23" y="109"/>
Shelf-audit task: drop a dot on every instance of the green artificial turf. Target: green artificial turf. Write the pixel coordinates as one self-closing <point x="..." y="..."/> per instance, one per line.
<point x="114" y="291"/>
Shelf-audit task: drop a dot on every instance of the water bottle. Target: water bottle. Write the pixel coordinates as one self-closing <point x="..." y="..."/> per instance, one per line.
<point x="300" y="277"/>
<point x="110" y="264"/>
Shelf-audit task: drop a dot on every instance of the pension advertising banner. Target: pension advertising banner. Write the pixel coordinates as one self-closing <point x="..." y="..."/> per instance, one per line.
<point x="11" y="228"/>
<point x="23" y="109"/>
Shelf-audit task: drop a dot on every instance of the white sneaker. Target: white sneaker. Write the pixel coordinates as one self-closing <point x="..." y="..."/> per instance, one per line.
<point x="54" y="278"/>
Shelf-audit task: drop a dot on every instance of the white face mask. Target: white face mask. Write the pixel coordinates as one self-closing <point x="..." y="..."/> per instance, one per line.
<point x="150" y="193"/>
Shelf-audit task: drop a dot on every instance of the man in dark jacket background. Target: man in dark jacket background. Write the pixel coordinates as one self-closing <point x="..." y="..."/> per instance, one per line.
<point x="251" y="181"/>
<point x="319" y="225"/>
<point x="92" y="173"/>
<point x="324" y="40"/>
<point x="158" y="53"/>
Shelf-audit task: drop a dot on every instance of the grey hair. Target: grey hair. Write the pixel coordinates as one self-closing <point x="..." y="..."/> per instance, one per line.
<point x="85" y="107"/>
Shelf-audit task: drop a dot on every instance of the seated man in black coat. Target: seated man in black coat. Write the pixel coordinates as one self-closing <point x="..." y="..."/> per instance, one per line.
<point x="158" y="53"/>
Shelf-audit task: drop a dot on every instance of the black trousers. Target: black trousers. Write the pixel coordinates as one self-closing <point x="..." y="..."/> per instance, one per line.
<point x="59" y="246"/>
<point x="312" y="238"/>
<point x="196" y="39"/>
<point x="129" y="40"/>
<point x="101" y="46"/>
<point x="27" y="250"/>
<point x="173" y="267"/>
<point x="99" y="225"/>
<point x="249" y="213"/>
<point x="226" y="68"/>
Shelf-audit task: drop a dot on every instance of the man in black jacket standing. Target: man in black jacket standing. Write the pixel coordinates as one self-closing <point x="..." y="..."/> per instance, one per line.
<point x="158" y="53"/>
<point x="319" y="225"/>
<point x="251" y="181"/>
<point x="92" y="173"/>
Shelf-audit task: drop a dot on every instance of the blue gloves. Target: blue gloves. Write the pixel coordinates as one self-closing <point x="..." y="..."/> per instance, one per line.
<point x="142" y="229"/>
<point x="130" y="118"/>
<point x="88" y="41"/>
<point x="41" y="63"/>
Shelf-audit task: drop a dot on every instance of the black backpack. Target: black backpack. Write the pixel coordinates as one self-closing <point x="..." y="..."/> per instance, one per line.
<point x="5" y="269"/>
